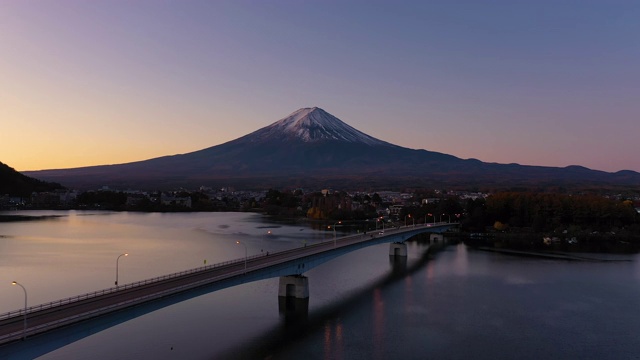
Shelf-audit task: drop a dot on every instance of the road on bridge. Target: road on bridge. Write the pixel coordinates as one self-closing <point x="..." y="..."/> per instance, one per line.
<point x="57" y="314"/>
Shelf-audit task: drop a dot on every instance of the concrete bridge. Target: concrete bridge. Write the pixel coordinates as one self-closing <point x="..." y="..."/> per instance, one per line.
<point x="149" y="295"/>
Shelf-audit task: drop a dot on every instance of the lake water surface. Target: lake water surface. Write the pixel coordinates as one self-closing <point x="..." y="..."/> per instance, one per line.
<point x="457" y="303"/>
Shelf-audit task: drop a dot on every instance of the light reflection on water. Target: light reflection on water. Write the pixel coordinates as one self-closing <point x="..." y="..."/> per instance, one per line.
<point x="460" y="303"/>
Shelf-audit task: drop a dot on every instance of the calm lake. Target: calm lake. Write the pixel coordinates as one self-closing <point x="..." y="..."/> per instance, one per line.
<point x="456" y="303"/>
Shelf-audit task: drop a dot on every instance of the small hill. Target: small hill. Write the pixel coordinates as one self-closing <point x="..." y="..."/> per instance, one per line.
<point x="17" y="184"/>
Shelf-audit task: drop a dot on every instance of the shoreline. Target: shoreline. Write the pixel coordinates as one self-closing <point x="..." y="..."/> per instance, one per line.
<point x="547" y="255"/>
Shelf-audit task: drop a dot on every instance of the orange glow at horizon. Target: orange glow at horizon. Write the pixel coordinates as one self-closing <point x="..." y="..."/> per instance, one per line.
<point x="88" y="83"/>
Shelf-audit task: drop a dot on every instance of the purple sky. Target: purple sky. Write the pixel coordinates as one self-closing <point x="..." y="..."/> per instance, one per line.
<point x="552" y="83"/>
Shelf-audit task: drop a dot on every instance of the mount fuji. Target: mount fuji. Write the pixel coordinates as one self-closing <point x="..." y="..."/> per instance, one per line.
<point x="313" y="125"/>
<point x="312" y="148"/>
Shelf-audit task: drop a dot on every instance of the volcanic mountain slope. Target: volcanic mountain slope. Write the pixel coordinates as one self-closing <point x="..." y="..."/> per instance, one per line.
<point x="311" y="147"/>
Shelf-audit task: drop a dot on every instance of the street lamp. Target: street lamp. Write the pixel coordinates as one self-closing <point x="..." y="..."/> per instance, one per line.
<point x="24" y="320"/>
<point x="430" y="214"/>
<point x="118" y="265"/>
<point x="410" y="217"/>
<point x="449" y="218"/>
<point x="245" y="255"/>
<point x="334" y="232"/>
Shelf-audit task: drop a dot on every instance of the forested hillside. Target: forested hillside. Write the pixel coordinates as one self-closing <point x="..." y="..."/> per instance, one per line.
<point x="17" y="184"/>
<point x="549" y="211"/>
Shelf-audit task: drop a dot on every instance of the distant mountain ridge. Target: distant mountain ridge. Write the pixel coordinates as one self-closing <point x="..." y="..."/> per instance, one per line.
<point x="312" y="148"/>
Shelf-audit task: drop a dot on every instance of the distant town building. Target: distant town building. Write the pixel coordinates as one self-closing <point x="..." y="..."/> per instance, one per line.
<point x="430" y="201"/>
<point x="168" y="199"/>
<point x="395" y="210"/>
<point x="45" y="199"/>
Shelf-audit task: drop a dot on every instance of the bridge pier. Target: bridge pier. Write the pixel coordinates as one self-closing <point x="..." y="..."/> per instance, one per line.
<point x="398" y="249"/>
<point x="293" y="310"/>
<point x="434" y="238"/>
<point x="295" y="286"/>
<point x="398" y="264"/>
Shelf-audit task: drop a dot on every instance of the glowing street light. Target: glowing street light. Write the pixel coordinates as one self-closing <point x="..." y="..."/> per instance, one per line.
<point x="24" y="319"/>
<point x="118" y="265"/>
<point x="449" y="218"/>
<point x="245" y="255"/>
<point x="410" y="217"/>
<point x="334" y="232"/>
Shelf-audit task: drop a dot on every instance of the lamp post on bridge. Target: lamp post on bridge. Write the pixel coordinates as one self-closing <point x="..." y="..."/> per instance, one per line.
<point x="118" y="265"/>
<point x="245" y="255"/>
<point x="410" y="217"/>
<point x="24" y="319"/>
<point x="380" y="219"/>
<point x="334" y="232"/>
<point x="449" y="218"/>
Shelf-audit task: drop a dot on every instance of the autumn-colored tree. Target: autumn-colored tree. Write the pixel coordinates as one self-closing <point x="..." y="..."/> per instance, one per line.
<point x="500" y="226"/>
<point x="546" y="211"/>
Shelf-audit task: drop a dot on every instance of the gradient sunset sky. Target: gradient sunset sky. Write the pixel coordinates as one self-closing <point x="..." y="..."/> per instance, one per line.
<point x="91" y="82"/>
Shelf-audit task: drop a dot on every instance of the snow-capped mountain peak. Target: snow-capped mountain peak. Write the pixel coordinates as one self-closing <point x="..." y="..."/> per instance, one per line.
<point x="313" y="125"/>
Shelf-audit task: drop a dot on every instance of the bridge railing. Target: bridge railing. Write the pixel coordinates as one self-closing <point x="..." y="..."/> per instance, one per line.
<point x="110" y="290"/>
<point x="53" y="324"/>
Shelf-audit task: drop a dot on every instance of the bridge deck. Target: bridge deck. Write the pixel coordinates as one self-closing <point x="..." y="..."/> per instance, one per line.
<point x="46" y="317"/>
